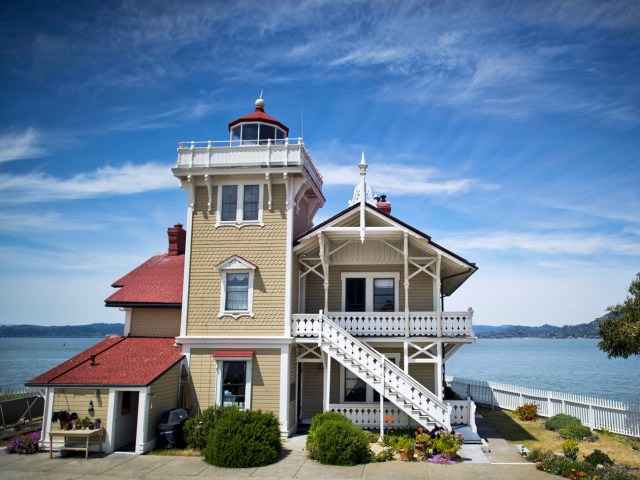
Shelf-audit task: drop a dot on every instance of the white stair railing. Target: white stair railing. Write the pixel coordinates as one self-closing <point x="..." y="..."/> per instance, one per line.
<point x="385" y="376"/>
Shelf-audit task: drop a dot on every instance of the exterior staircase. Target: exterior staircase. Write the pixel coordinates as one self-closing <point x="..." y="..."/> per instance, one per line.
<point x="383" y="375"/>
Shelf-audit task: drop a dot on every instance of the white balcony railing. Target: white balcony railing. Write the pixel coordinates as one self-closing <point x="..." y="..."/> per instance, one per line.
<point x="367" y="415"/>
<point x="388" y="324"/>
<point x="268" y="153"/>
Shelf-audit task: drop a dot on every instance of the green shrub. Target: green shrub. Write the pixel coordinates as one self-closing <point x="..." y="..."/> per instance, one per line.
<point x="575" y="430"/>
<point x="385" y="455"/>
<point x="527" y="412"/>
<point x="559" y="421"/>
<point x="196" y="430"/>
<point x="341" y="443"/>
<point x="570" y="448"/>
<point x="241" y="439"/>
<point x="598" y="457"/>
<point x="316" y="422"/>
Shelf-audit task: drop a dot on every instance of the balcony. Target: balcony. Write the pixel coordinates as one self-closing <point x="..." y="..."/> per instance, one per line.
<point x="392" y="324"/>
<point x="231" y="154"/>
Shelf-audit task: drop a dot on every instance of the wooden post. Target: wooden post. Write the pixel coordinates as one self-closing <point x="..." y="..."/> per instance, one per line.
<point x="407" y="332"/>
<point x="382" y="402"/>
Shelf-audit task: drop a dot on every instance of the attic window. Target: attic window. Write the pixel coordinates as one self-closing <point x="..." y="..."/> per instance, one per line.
<point x="257" y="133"/>
<point x="236" y="287"/>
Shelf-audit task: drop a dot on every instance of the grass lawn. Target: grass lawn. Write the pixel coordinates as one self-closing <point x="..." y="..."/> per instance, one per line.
<point x="533" y="435"/>
<point x="174" y="452"/>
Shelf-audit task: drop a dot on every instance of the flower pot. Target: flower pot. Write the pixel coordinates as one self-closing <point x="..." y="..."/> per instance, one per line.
<point x="406" y="455"/>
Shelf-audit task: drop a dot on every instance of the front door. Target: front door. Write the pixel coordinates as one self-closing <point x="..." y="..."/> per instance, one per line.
<point x="126" y="426"/>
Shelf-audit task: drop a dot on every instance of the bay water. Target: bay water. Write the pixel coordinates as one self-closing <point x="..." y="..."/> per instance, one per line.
<point x="566" y="365"/>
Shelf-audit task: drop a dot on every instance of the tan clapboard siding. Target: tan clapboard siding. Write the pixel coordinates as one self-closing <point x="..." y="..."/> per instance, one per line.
<point x="420" y="288"/>
<point x="295" y="286"/>
<point x="301" y="219"/>
<point x="264" y="247"/>
<point x="155" y="322"/>
<point x="420" y="293"/>
<point x="203" y="378"/>
<point x="314" y="294"/>
<point x="265" y="381"/>
<point x="424" y="373"/>
<point x="312" y="389"/>
<point x="165" y="392"/>
<point x="77" y="400"/>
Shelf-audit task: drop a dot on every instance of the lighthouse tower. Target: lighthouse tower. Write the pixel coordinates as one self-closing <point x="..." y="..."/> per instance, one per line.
<point x="248" y="198"/>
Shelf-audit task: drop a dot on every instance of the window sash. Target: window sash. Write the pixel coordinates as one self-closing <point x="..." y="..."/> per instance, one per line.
<point x="234" y="383"/>
<point x="383" y="295"/>
<point x="355" y="389"/>
<point x="229" y="211"/>
<point x="237" y="292"/>
<point x="251" y="202"/>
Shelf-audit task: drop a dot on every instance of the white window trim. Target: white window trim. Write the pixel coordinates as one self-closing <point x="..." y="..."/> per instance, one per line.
<point x="235" y="264"/>
<point x="369" y="277"/>
<point x="370" y="391"/>
<point x="239" y="222"/>
<point x="248" y="373"/>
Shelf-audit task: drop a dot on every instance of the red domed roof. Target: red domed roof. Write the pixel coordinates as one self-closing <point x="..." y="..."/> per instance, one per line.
<point x="258" y="115"/>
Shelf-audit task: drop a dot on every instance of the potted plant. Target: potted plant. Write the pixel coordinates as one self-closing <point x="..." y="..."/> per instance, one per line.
<point x="405" y="448"/>
<point x="423" y="441"/>
<point x="97" y="424"/>
<point x="63" y="417"/>
<point x="447" y="443"/>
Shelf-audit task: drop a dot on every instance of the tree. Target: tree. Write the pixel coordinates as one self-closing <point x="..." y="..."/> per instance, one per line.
<point x="620" y="329"/>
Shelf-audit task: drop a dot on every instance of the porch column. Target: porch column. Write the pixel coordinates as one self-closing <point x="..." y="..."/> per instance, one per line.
<point x="145" y="402"/>
<point x="327" y="383"/>
<point x="406" y="285"/>
<point x="438" y="303"/>
<point x="438" y="382"/>
<point x="325" y="270"/>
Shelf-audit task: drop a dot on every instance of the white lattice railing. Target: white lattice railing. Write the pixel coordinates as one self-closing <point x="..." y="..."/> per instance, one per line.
<point x="376" y="324"/>
<point x="367" y="415"/>
<point x="285" y="152"/>
<point x="387" y="378"/>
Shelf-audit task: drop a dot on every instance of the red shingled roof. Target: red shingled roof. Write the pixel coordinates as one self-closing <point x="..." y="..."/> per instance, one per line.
<point x="156" y="281"/>
<point x="133" y="361"/>
<point x="259" y="116"/>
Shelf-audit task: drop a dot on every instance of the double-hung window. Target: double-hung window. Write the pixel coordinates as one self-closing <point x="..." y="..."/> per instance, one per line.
<point x="239" y="205"/>
<point x="233" y="382"/>
<point x="236" y="287"/>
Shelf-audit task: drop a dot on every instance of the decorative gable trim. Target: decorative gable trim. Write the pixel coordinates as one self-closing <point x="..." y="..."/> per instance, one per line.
<point x="235" y="263"/>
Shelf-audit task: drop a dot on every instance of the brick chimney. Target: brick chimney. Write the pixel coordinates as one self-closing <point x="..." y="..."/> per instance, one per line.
<point x="383" y="205"/>
<point x="177" y="239"/>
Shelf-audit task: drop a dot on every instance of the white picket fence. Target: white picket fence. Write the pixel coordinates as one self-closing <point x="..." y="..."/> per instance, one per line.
<point x="600" y="413"/>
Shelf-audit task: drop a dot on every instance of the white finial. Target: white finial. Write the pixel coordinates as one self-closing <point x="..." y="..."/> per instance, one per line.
<point x="261" y="93"/>
<point x="260" y="102"/>
<point x="362" y="162"/>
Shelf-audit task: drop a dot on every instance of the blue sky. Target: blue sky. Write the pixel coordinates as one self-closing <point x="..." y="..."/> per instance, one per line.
<point x="508" y="131"/>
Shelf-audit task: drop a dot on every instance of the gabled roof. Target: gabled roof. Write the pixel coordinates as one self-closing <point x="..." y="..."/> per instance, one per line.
<point x="118" y="361"/>
<point x="157" y="282"/>
<point x="450" y="282"/>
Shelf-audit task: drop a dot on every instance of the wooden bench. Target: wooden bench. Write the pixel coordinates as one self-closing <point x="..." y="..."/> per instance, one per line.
<point x="70" y="435"/>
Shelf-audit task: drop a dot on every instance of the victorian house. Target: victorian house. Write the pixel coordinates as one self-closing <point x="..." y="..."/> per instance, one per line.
<point x="255" y="306"/>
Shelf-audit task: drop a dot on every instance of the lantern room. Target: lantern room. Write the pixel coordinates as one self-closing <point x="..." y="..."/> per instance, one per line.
<point x="258" y="128"/>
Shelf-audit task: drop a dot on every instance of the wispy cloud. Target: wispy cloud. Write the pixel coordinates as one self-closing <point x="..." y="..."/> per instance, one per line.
<point x="583" y="244"/>
<point x="19" y="145"/>
<point x="106" y="181"/>
<point x="45" y="221"/>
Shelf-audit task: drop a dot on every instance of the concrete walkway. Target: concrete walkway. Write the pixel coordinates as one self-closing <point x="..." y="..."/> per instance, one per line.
<point x="501" y="463"/>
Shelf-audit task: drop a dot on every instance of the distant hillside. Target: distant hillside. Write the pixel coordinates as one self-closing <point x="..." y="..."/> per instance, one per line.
<point x="92" y="330"/>
<point x="583" y="330"/>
